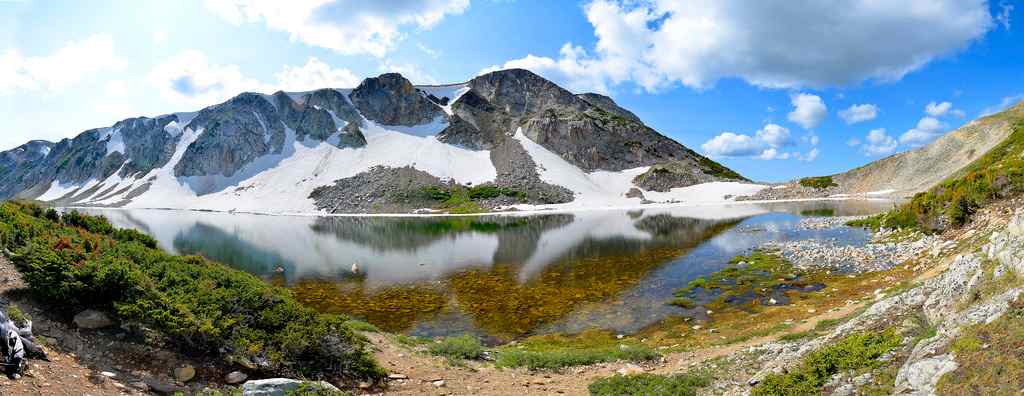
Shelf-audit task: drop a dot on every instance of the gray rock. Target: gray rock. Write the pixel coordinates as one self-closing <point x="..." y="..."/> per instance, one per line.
<point x="235" y="377"/>
<point x="92" y="319"/>
<point x="278" y="387"/>
<point x="390" y="99"/>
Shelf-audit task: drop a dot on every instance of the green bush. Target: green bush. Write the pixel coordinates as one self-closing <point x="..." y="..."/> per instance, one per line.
<point x="464" y="347"/>
<point x="199" y="305"/>
<point x="649" y="385"/>
<point x="818" y="182"/>
<point x="856" y="352"/>
<point x="550" y="360"/>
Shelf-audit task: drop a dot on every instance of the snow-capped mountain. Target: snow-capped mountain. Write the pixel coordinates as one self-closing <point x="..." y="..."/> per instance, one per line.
<point x="384" y="146"/>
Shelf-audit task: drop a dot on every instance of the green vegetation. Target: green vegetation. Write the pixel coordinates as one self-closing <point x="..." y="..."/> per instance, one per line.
<point x="754" y="275"/>
<point x="713" y="168"/>
<point x="359" y="325"/>
<point x="17" y="316"/>
<point x="555" y="352"/>
<point x="819" y="182"/>
<point x="456" y="349"/>
<point x="649" y="385"/>
<point x="411" y="341"/>
<point x="988" y="357"/>
<point x="854" y="353"/>
<point x="462" y="200"/>
<point x="76" y="261"/>
<point x="997" y="174"/>
<point x="827" y="212"/>
<point x="314" y="389"/>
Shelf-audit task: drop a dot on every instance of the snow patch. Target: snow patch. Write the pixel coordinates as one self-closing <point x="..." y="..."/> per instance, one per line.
<point x="453" y="92"/>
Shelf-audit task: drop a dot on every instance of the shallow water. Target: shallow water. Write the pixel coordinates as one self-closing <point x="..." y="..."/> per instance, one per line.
<point x="500" y="277"/>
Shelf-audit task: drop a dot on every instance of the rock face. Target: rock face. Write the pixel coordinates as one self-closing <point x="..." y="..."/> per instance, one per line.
<point x="233" y="134"/>
<point x="90" y="319"/>
<point x="390" y="99"/>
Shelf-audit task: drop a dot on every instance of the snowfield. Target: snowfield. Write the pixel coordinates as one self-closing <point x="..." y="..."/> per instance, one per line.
<point x="280" y="183"/>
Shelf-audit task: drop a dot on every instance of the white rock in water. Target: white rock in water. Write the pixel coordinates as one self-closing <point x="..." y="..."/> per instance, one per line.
<point x="355" y="268"/>
<point x="278" y="387"/>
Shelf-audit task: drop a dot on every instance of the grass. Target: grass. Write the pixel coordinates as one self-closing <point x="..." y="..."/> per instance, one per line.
<point x="359" y="325"/>
<point x="854" y="353"/>
<point x="818" y="182"/>
<point x="411" y="341"/>
<point x="17" y="316"/>
<point x="463" y="200"/>
<point x="649" y="385"/>
<point x="552" y="352"/>
<point x="989" y="357"/>
<point x="202" y="307"/>
<point x="457" y="349"/>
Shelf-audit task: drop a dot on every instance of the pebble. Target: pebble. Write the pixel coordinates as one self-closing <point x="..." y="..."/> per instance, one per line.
<point x="397" y="376"/>
<point x="438" y="383"/>
<point x="184" y="373"/>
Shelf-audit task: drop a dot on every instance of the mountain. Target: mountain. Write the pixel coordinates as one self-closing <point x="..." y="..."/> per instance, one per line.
<point x="504" y="138"/>
<point x="917" y="170"/>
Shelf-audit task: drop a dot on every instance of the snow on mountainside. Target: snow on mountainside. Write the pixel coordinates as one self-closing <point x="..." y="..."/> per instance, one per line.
<point x="520" y="138"/>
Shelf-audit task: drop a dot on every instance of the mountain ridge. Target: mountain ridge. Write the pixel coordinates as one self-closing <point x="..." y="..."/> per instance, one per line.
<point x="251" y="146"/>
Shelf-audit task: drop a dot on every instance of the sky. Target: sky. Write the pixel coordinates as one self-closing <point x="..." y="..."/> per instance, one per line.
<point x="774" y="89"/>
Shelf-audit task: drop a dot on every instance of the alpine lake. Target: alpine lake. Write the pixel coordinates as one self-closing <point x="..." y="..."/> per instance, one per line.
<point x="499" y="277"/>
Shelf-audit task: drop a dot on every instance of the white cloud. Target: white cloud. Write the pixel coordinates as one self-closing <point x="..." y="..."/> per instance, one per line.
<point x="348" y="27"/>
<point x="808" y="110"/>
<point x="1003" y="104"/>
<point x="729" y="144"/>
<point x="927" y="129"/>
<point x="766" y="144"/>
<point x="859" y="113"/>
<point x="573" y="70"/>
<point x="810" y="156"/>
<point x="160" y="37"/>
<point x="74" y="62"/>
<point x="116" y="88"/>
<point x="938" y="109"/>
<point x="878" y="142"/>
<point x="853" y="142"/>
<point x="768" y="44"/>
<point x="774" y="136"/>
<point x="189" y="79"/>
<point x="315" y="75"/>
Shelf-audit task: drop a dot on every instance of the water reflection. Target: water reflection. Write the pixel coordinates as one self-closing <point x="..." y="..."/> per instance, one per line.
<point x="497" y="276"/>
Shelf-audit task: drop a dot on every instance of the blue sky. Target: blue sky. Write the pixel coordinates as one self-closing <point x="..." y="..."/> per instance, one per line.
<point x="773" y="89"/>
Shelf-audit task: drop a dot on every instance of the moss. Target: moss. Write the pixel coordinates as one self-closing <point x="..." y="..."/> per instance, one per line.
<point x="203" y="306"/>
<point x="455" y="349"/>
<point x="854" y="353"/>
<point x="989" y="357"/>
<point x="17" y="316"/>
<point x="649" y="385"/>
<point x="818" y="182"/>
<point x="745" y="279"/>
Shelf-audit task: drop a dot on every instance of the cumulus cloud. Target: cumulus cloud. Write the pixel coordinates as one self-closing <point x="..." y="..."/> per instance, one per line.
<point x="315" y="75"/>
<point x="927" y="129"/>
<point x="859" y="113"/>
<point x="1005" y="8"/>
<point x="938" y="109"/>
<point x="347" y="27"/>
<point x="809" y="156"/>
<point x="574" y="69"/>
<point x="70" y="64"/>
<point x="766" y="144"/>
<point x="878" y="142"/>
<point x="811" y="44"/>
<point x="189" y="79"/>
<point x="808" y="110"/>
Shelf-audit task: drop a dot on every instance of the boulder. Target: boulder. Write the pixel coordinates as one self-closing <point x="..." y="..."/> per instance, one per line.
<point x="92" y="319"/>
<point x="185" y="373"/>
<point x="278" y="387"/>
<point x="235" y="377"/>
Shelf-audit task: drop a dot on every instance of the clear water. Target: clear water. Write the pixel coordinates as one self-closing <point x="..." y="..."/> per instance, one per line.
<point x="500" y="277"/>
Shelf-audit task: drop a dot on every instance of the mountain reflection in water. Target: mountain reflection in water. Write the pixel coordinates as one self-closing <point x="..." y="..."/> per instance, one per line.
<point x="500" y="276"/>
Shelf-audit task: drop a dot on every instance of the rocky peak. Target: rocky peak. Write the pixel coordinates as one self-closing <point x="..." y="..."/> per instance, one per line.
<point x="607" y="104"/>
<point x="520" y="92"/>
<point x="391" y="99"/>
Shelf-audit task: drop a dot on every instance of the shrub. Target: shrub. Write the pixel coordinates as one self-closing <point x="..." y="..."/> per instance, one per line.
<point x="203" y="306"/>
<point x="649" y="385"/>
<point x="818" y="182"/>
<point x="856" y="352"/>
<point x="464" y="347"/>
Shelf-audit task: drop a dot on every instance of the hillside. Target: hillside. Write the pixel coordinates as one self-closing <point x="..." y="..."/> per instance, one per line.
<point x="504" y="139"/>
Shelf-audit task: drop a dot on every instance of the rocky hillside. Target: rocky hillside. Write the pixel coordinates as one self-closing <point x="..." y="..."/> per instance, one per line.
<point x="502" y="139"/>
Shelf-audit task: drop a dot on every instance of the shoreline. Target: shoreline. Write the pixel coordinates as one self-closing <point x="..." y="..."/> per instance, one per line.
<point x="527" y="212"/>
